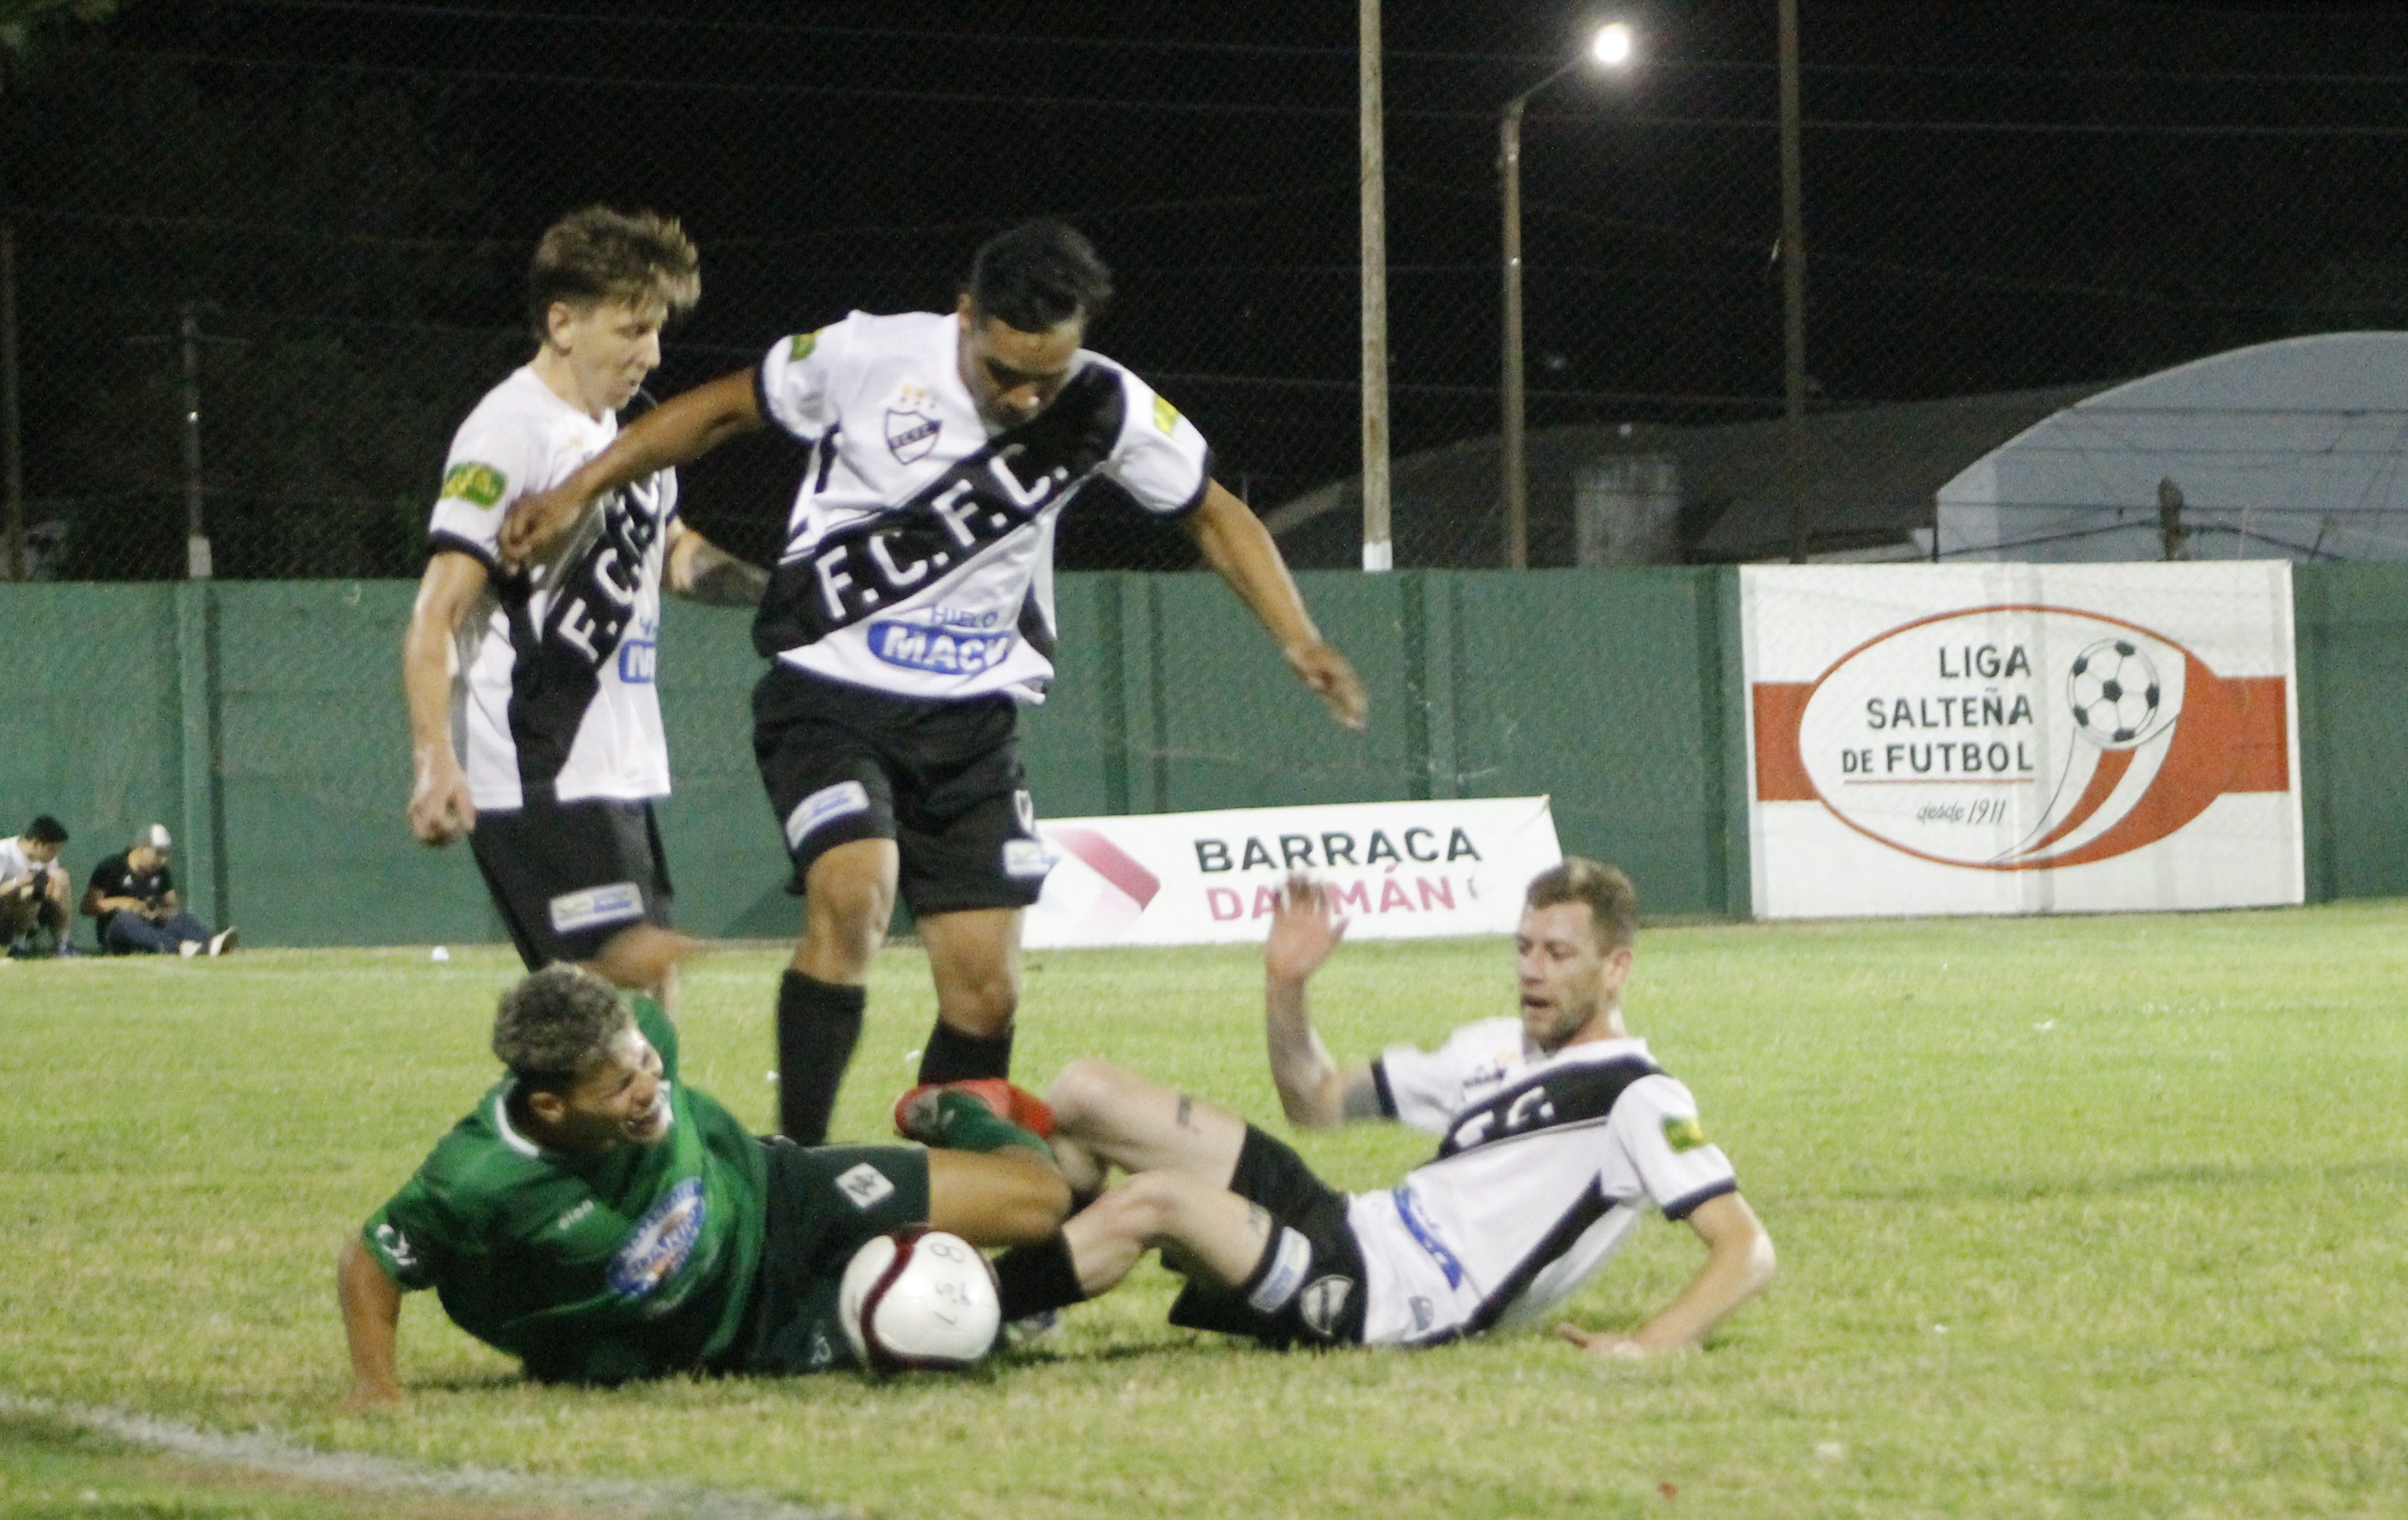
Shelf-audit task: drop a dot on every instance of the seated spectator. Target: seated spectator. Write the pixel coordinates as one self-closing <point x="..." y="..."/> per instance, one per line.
<point x="134" y="898"/>
<point x="34" y="890"/>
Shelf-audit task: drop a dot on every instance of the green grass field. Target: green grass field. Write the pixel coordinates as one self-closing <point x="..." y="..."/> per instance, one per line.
<point x="2084" y="1217"/>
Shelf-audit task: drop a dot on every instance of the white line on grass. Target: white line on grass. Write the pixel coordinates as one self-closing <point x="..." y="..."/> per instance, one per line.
<point x="265" y="1450"/>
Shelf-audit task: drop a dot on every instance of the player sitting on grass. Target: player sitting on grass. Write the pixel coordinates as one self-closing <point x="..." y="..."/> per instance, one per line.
<point x="600" y="1220"/>
<point x="1559" y="1129"/>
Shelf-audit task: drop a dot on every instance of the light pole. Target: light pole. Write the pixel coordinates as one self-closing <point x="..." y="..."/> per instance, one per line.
<point x="1611" y="46"/>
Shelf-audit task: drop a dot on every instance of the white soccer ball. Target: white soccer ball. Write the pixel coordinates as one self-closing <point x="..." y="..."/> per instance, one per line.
<point x="919" y="1299"/>
<point x="2114" y="693"/>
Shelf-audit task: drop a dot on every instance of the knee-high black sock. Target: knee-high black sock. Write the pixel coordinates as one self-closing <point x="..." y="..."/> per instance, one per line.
<point x="954" y="1056"/>
<point x="818" y="1025"/>
<point x="1032" y="1279"/>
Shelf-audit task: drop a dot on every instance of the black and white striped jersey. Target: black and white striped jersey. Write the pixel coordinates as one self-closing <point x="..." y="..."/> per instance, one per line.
<point x="919" y="553"/>
<point x="557" y="662"/>
<point x="1544" y="1164"/>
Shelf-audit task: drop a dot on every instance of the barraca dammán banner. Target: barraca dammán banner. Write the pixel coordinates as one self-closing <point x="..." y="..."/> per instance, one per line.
<point x="2021" y="739"/>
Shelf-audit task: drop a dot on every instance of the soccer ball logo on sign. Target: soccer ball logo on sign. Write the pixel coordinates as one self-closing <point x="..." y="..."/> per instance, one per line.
<point x="2114" y="691"/>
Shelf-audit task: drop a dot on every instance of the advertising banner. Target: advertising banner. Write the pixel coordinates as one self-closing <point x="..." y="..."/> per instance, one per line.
<point x="2021" y="739"/>
<point x="1400" y="870"/>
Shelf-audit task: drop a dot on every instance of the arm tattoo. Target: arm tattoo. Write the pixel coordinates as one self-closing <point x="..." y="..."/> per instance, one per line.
<point x="720" y="579"/>
<point x="1186" y="1111"/>
<point x="1260" y="1218"/>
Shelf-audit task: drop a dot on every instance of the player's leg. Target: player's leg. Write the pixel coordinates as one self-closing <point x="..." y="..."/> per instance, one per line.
<point x="1208" y="1231"/>
<point x="836" y="807"/>
<point x="643" y="956"/>
<point x="1006" y="1197"/>
<point x="971" y="865"/>
<point x="131" y="934"/>
<point x="974" y="959"/>
<point x="1123" y="1119"/>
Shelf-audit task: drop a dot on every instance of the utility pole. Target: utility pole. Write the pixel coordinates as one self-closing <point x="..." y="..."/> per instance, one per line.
<point x="1377" y="552"/>
<point x="12" y="466"/>
<point x="196" y="539"/>
<point x="1517" y="480"/>
<point x="1793" y="293"/>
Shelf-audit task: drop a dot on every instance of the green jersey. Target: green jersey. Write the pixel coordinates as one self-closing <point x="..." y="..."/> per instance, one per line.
<point x="629" y="1262"/>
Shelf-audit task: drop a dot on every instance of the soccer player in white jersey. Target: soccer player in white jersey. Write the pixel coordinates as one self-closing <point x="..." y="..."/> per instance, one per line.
<point x="1558" y="1130"/>
<point x="532" y="714"/>
<point x="913" y="608"/>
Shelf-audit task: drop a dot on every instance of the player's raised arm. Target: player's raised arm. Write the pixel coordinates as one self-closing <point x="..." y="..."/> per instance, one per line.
<point x="676" y="432"/>
<point x="1739" y="1265"/>
<point x="1237" y="545"/>
<point x="440" y="805"/>
<point x="1313" y="1092"/>
<point x="371" y="1307"/>
<point x="701" y="571"/>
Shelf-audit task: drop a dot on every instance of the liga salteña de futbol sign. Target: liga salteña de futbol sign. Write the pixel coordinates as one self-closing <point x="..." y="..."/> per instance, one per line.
<point x="2017" y="738"/>
<point x="1398" y="870"/>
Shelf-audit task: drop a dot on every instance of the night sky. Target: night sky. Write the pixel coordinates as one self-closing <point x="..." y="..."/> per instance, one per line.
<point x="2009" y="195"/>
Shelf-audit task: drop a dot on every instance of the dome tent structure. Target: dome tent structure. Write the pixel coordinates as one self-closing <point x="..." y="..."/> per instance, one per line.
<point x="2291" y="450"/>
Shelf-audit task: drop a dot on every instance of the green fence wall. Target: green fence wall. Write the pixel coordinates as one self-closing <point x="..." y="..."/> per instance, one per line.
<point x="262" y="723"/>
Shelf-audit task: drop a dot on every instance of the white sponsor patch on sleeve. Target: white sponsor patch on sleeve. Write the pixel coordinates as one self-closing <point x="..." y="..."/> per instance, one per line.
<point x="864" y="1185"/>
<point x="617" y="903"/>
<point x="829" y="803"/>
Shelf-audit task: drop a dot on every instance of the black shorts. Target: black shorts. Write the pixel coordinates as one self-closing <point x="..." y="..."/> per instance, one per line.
<point x="942" y="779"/>
<point x="568" y="876"/>
<point x="1316" y="1267"/>
<point x="826" y="1202"/>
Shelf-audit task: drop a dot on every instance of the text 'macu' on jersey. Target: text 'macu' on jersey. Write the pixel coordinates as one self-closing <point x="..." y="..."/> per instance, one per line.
<point x="1546" y="1163"/>
<point x="631" y="1262"/>
<point x="919" y="557"/>
<point x="557" y="660"/>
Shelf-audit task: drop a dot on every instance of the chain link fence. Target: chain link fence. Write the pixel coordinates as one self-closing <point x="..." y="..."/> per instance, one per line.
<point x="312" y="217"/>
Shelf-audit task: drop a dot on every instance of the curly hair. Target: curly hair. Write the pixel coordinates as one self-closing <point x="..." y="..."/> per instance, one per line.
<point x="553" y="1025"/>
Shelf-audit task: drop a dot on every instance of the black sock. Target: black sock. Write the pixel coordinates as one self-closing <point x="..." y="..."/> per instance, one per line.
<point x="954" y="1056"/>
<point x="1032" y="1279"/>
<point x="818" y="1025"/>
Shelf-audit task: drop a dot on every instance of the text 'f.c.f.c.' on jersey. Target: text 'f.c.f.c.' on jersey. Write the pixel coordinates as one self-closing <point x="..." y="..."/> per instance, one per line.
<point x="919" y="557"/>
<point x="557" y="659"/>
<point x="1545" y="1162"/>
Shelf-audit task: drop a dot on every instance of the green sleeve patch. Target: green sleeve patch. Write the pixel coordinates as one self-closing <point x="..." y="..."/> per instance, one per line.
<point x="478" y="486"/>
<point x="800" y="347"/>
<point x="1682" y="1132"/>
<point x="1166" y="416"/>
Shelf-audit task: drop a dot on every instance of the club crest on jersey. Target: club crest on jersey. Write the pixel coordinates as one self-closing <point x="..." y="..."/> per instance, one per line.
<point x="663" y="1239"/>
<point x="911" y="423"/>
<point x="945" y="650"/>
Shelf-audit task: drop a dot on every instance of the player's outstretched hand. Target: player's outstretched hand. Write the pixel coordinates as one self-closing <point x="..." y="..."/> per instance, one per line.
<point x="440" y="805"/>
<point x="1604" y="1346"/>
<point x="535" y="520"/>
<point x="1305" y="929"/>
<point x="1328" y="674"/>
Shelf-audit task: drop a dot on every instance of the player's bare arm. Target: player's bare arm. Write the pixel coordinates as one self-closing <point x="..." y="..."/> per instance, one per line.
<point x="440" y="807"/>
<point x="370" y="1303"/>
<point x="701" y="571"/>
<point x="1237" y="545"/>
<point x="676" y="432"/>
<point x="1739" y="1265"/>
<point x="1313" y="1092"/>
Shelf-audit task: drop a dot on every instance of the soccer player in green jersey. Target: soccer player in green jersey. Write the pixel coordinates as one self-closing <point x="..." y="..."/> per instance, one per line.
<point x="601" y="1220"/>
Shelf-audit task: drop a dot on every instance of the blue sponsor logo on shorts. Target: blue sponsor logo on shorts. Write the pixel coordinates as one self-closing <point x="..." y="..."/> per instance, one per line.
<point x="952" y="652"/>
<point x="618" y="903"/>
<point x="662" y="1240"/>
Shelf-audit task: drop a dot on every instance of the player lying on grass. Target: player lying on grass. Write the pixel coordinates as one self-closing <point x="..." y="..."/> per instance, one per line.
<point x="600" y="1220"/>
<point x="1558" y="1129"/>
